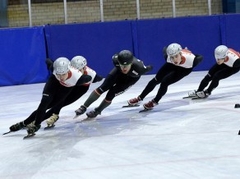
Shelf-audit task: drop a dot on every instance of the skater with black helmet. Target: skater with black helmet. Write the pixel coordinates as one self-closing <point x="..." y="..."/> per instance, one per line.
<point x="126" y="72"/>
<point x="179" y="63"/>
<point x="227" y="64"/>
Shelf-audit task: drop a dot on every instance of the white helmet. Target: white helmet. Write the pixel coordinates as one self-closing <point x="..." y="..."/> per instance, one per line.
<point x="220" y="52"/>
<point x="173" y="49"/>
<point x="61" y="65"/>
<point x="78" y="62"/>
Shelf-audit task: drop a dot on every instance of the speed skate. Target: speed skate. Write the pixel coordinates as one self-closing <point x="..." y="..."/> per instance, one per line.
<point x="87" y="119"/>
<point x="193" y="97"/>
<point x="130" y="106"/>
<point x="7" y="132"/>
<point x="144" y="110"/>
<point x="29" y="135"/>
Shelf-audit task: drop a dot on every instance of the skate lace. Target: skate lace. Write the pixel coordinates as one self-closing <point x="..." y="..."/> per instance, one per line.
<point x="81" y="110"/>
<point x="31" y="125"/>
<point x="32" y="128"/>
<point x="133" y="101"/>
<point x="17" y="126"/>
<point x="201" y="94"/>
<point x="192" y="93"/>
<point x="52" y="119"/>
<point x="150" y="105"/>
<point x="93" y="113"/>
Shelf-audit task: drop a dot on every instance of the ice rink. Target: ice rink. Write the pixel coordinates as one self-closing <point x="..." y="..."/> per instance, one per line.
<point x="178" y="139"/>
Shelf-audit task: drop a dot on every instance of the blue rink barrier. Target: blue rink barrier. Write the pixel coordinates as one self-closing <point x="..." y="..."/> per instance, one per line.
<point x="24" y="50"/>
<point x="200" y="35"/>
<point x="97" y="42"/>
<point x="22" y="56"/>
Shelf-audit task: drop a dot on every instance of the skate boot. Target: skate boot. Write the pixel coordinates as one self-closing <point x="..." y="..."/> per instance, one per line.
<point x="80" y="110"/>
<point x="202" y="94"/>
<point x="17" y="127"/>
<point x="32" y="128"/>
<point x="150" y="105"/>
<point x="134" y="101"/>
<point x="237" y="105"/>
<point x="192" y="94"/>
<point x="92" y="114"/>
<point x="51" y="120"/>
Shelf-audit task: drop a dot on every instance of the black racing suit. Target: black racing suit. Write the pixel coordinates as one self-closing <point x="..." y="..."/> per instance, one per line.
<point x="53" y="94"/>
<point x="117" y="83"/>
<point x="217" y="73"/>
<point x="167" y="75"/>
<point x="76" y="93"/>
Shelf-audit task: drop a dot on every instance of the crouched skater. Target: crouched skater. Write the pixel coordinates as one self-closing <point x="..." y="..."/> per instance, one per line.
<point x="80" y="63"/>
<point x="179" y="63"/>
<point x="227" y="64"/>
<point x="56" y="89"/>
<point x="126" y="72"/>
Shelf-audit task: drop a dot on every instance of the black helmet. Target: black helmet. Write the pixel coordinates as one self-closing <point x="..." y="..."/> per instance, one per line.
<point x="125" y="57"/>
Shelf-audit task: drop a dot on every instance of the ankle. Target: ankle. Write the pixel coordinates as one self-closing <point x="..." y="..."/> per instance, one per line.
<point x="154" y="102"/>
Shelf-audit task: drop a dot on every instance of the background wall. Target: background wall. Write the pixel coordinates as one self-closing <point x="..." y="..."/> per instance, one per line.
<point x="24" y="50"/>
<point x="113" y="10"/>
<point x="22" y="56"/>
<point x="146" y="38"/>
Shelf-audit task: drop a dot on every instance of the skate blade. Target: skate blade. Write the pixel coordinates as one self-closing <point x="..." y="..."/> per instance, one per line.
<point x="29" y="136"/>
<point x="130" y="106"/>
<point x="87" y="119"/>
<point x="197" y="98"/>
<point x="76" y="116"/>
<point x="188" y="97"/>
<point x="144" y="110"/>
<point x="49" y="127"/>
<point x="7" y="132"/>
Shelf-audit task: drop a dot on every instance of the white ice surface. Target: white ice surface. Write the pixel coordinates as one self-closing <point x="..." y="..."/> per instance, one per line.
<point x="178" y="139"/>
